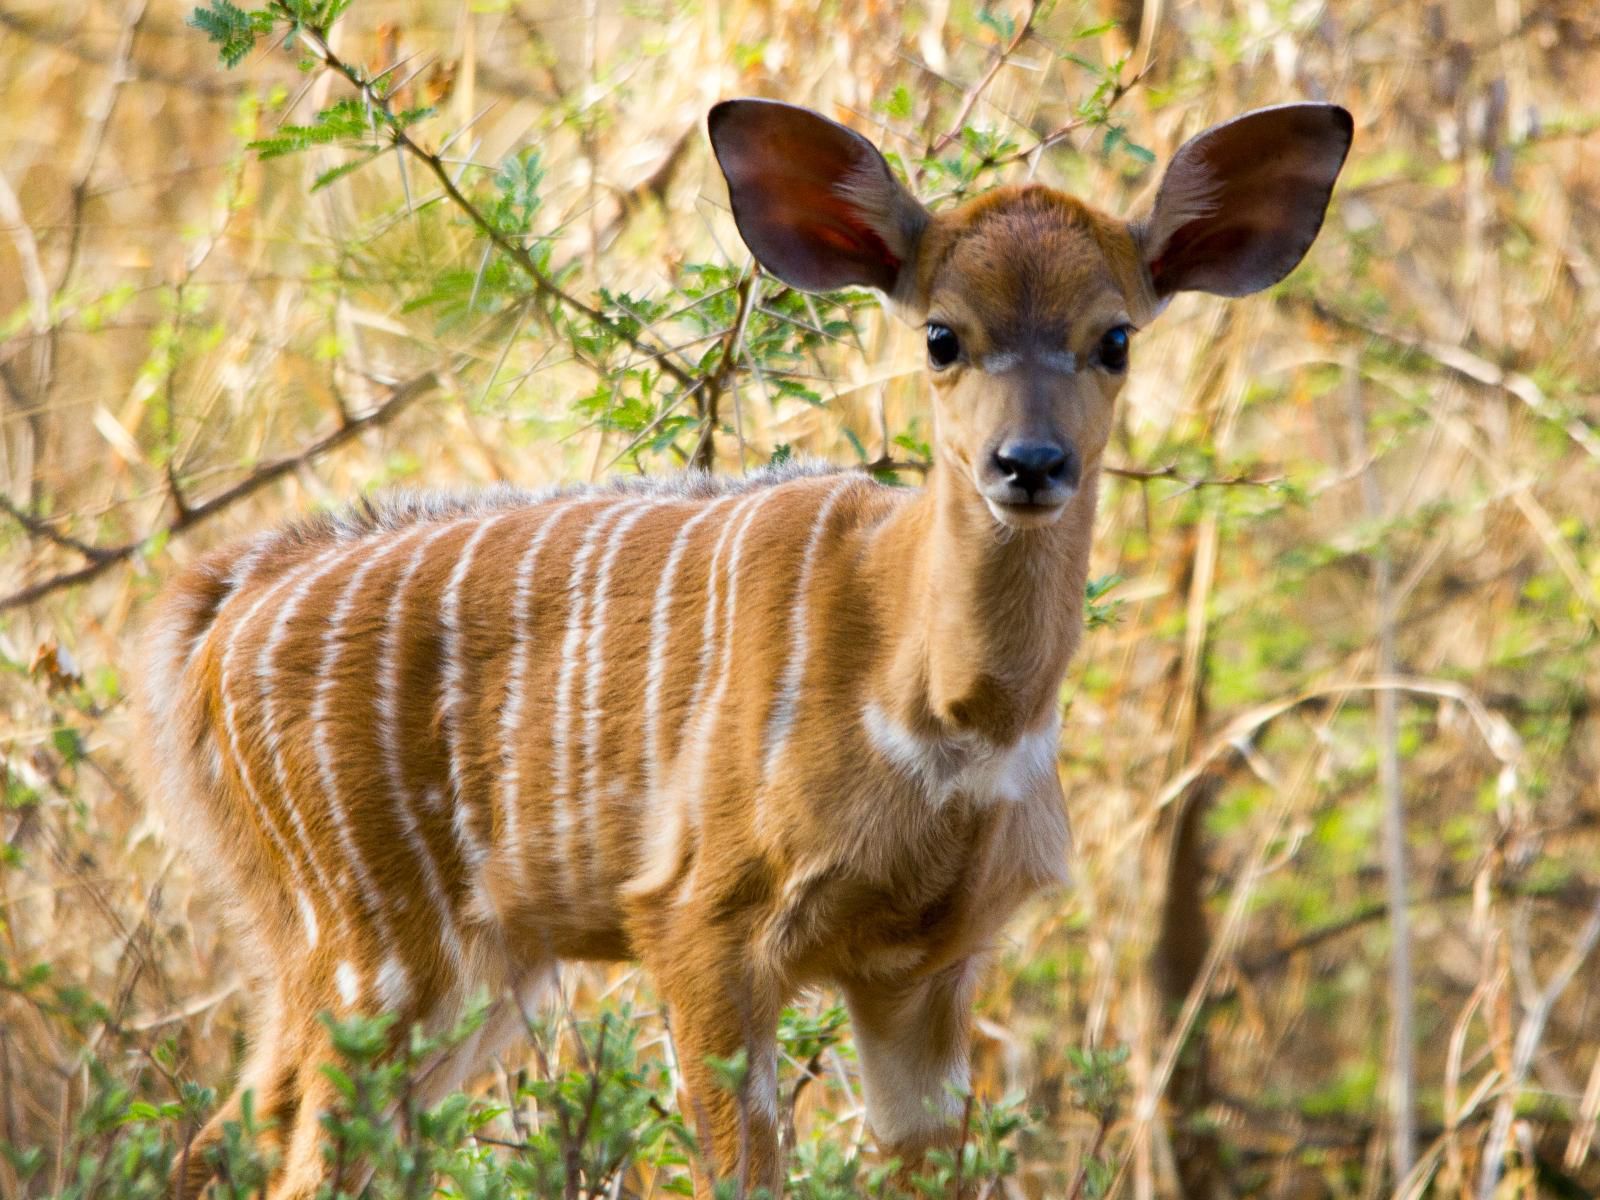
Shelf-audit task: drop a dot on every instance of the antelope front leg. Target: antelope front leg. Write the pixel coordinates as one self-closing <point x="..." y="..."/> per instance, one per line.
<point x="718" y="1012"/>
<point x="912" y="1040"/>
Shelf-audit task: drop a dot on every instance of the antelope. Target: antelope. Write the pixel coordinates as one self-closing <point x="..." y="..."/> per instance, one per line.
<point x="793" y="730"/>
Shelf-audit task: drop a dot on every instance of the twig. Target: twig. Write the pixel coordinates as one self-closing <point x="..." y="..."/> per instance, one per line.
<point x="264" y="473"/>
<point x="1402" y="1030"/>
<point x="1528" y="1035"/>
<point x="1378" y="910"/>
<point x="885" y="462"/>
<point x="705" y="449"/>
<point x="316" y="41"/>
<point x="1474" y="367"/>
<point x="1170" y="471"/>
<point x="1263" y="860"/>
<point x="976" y="90"/>
<point x="199" y="1004"/>
<point x="1062" y="132"/>
<point x="961" y="1146"/>
<point x="1498" y="735"/>
<point x="40" y="528"/>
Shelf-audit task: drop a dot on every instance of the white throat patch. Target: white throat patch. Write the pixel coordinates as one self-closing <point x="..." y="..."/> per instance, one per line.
<point x="965" y="765"/>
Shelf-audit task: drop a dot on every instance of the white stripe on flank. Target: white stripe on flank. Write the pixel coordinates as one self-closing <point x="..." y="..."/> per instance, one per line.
<point x="308" y="915"/>
<point x="708" y="624"/>
<point x="596" y="670"/>
<point x="787" y="702"/>
<point x="387" y="702"/>
<point x="449" y="932"/>
<point x="660" y="628"/>
<point x="561" y="723"/>
<point x="371" y="898"/>
<point x="471" y="849"/>
<point x="452" y="701"/>
<point x="706" y="717"/>
<point x="511" y="711"/>
<point x="333" y="644"/>
<point x="230" y="721"/>
<point x="238" y="575"/>
<point x="245" y="565"/>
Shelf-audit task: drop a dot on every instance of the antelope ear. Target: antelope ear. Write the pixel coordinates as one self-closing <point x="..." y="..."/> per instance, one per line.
<point x="1242" y="202"/>
<point x="815" y="202"/>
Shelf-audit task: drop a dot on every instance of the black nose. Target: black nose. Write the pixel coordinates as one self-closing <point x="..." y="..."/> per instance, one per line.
<point x="1037" y="466"/>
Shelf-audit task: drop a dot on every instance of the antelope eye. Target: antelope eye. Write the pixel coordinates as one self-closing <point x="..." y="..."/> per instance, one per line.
<point x="1113" y="352"/>
<point x="943" y="348"/>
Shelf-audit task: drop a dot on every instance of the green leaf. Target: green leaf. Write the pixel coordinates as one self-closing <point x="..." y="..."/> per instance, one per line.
<point x="855" y="444"/>
<point x="68" y="743"/>
<point x="339" y="172"/>
<point x="232" y="28"/>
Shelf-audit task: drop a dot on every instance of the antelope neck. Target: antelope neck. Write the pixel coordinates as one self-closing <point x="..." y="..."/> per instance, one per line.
<point x="980" y="620"/>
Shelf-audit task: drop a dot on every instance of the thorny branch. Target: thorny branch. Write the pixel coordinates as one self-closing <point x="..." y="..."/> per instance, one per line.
<point x="316" y="41"/>
<point x="39" y="528"/>
<point x="975" y="92"/>
<point x="727" y="363"/>
<point x="102" y="557"/>
<point x="1061" y="132"/>
<point x="1190" y="482"/>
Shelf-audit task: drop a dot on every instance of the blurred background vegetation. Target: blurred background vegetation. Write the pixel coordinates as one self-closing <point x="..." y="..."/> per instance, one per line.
<point x="1350" y="565"/>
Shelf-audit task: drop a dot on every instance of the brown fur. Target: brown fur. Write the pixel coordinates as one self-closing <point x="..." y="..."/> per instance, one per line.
<point x="404" y="755"/>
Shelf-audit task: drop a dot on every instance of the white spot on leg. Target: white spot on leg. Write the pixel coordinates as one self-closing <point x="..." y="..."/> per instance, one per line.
<point x="393" y="984"/>
<point x="761" y="1092"/>
<point x="348" y="982"/>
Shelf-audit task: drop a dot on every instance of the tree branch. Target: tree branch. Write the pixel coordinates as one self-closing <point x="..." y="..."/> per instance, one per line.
<point x="1062" y="132"/>
<point x="1170" y="471"/>
<point x="317" y="42"/>
<point x="102" y="557"/>
<point x="975" y="92"/>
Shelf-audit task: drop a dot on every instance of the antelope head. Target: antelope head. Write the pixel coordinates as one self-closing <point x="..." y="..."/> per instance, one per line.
<point x="1031" y="299"/>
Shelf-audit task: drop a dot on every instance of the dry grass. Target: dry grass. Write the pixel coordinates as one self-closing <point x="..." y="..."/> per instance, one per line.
<point x="175" y="313"/>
